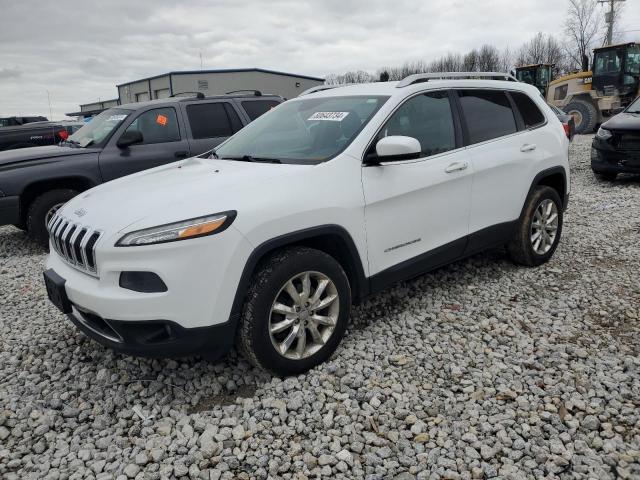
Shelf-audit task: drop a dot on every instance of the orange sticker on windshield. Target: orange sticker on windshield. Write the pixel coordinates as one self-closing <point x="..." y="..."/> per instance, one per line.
<point x="162" y="120"/>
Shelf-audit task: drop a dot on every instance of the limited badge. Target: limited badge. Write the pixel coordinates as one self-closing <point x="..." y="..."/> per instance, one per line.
<point x="162" y="120"/>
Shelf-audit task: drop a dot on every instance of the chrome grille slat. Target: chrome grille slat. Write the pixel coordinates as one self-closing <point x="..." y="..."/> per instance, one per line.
<point x="75" y="243"/>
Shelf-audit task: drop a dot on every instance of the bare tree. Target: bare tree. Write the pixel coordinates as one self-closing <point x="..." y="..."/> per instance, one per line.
<point x="359" y="76"/>
<point x="488" y="58"/>
<point x="581" y="29"/>
<point x="542" y="49"/>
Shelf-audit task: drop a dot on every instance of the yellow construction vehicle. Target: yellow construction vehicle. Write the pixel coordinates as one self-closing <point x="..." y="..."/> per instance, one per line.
<point x="538" y="74"/>
<point x="591" y="97"/>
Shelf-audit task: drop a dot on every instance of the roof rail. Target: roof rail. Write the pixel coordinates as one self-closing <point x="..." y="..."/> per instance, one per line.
<point x="257" y="93"/>
<point x="321" y="88"/>
<point x="425" y="77"/>
<point x="184" y="94"/>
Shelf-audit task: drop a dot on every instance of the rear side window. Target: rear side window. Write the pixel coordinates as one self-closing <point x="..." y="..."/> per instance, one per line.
<point x="209" y="120"/>
<point x="255" y="108"/>
<point x="487" y="114"/>
<point x="531" y="114"/>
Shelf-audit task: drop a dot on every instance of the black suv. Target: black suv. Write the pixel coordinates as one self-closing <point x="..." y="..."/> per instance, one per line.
<point x="35" y="182"/>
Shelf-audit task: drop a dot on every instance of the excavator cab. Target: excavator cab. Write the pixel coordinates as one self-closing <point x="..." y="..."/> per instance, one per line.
<point x="538" y="75"/>
<point x="616" y="71"/>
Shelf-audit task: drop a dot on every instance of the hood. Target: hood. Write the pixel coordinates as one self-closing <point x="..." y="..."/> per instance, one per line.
<point x="623" y="121"/>
<point x="179" y="191"/>
<point x="37" y="153"/>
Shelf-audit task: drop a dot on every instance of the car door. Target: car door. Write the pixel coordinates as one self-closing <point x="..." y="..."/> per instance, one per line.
<point x="163" y="141"/>
<point x="502" y="153"/>
<point x="210" y="124"/>
<point x="417" y="211"/>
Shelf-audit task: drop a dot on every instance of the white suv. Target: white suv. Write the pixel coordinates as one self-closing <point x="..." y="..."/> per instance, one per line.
<point x="326" y="199"/>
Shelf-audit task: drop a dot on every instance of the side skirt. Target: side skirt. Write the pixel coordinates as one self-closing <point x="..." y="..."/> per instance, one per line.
<point x="459" y="249"/>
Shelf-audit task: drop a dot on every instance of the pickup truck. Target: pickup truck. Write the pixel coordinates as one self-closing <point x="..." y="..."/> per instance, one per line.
<point x="35" y="134"/>
<point x="15" y="121"/>
<point x="35" y="182"/>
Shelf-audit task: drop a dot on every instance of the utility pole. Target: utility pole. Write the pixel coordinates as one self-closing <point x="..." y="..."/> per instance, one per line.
<point x="609" y="19"/>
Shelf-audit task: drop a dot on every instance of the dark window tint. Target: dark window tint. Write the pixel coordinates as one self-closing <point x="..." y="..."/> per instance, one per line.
<point x="210" y="120"/>
<point x="157" y="126"/>
<point x="531" y="114"/>
<point x="426" y="118"/>
<point x="487" y="114"/>
<point x="255" y="108"/>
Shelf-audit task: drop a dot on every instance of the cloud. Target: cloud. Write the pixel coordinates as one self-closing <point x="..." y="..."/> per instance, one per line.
<point x="80" y="51"/>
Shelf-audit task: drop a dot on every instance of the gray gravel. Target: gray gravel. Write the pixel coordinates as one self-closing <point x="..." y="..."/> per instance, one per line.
<point x="479" y="370"/>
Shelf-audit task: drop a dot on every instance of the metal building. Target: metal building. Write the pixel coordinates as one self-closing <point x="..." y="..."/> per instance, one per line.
<point x="209" y="82"/>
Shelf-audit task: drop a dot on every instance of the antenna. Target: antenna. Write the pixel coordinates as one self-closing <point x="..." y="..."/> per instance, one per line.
<point x="49" y="101"/>
<point x="200" y="61"/>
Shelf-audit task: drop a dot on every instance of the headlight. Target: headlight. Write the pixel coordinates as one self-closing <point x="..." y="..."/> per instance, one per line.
<point x="172" y="232"/>
<point x="604" y="134"/>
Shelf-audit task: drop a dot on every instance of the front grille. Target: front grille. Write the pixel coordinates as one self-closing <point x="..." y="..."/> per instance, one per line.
<point x="75" y="243"/>
<point x="629" y="141"/>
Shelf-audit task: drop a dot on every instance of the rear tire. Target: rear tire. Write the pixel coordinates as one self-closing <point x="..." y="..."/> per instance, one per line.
<point x="41" y="210"/>
<point x="584" y="114"/>
<point x="539" y="228"/>
<point x="288" y="335"/>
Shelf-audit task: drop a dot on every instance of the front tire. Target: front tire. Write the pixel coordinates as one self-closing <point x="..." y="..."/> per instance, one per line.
<point x="296" y="311"/>
<point x="584" y="114"/>
<point x="539" y="228"/>
<point x="42" y="210"/>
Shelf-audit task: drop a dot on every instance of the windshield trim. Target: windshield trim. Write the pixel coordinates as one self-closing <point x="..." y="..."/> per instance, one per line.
<point x="306" y="161"/>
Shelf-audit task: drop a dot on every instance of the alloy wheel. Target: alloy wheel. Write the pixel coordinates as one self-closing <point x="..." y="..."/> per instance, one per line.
<point x="544" y="227"/>
<point x="304" y="315"/>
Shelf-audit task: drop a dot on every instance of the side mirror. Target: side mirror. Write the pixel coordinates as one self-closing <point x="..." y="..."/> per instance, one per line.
<point x="130" y="137"/>
<point x="397" y="147"/>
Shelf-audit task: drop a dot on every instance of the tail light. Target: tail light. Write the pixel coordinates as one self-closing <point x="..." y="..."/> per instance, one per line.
<point x="63" y="134"/>
<point x="567" y="130"/>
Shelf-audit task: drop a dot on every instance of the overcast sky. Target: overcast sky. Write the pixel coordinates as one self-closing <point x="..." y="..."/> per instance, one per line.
<point x="79" y="50"/>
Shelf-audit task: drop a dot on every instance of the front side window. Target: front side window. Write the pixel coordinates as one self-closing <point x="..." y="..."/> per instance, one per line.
<point x="100" y="127"/>
<point x="309" y="130"/>
<point x="428" y="119"/>
<point x="633" y="60"/>
<point x="159" y="125"/>
<point x="487" y="114"/>
<point x="210" y="120"/>
<point x="529" y="111"/>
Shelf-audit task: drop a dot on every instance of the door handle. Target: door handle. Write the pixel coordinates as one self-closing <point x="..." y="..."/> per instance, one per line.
<point x="181" y="154"/>
<point x="456" y="166"/>
<point x="527" y="147"/>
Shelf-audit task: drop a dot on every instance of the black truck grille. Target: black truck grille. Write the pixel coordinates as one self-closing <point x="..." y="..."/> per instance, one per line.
<point x="75" y="243"/>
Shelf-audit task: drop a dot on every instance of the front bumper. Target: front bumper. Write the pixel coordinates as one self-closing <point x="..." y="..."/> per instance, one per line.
<point x="608" y="160"/>
<point x="9" y="210"/>
<point x="155" y="338"/>
<point x="193" y="315"/>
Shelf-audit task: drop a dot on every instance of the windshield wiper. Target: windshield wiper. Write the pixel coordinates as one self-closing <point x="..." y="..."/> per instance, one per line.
<point x="250" y="158"/>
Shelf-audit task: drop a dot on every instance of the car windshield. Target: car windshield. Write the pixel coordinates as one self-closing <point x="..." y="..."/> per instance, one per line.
<point x="99" y="128"/>
<point x="303" y="131"/>
<point x="634" y="107"/>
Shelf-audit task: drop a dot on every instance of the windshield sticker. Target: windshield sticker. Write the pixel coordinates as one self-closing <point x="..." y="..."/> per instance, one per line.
<point x="116" y="118"/>
<point x="162" y="120"/>
<point x="328" y="116"/>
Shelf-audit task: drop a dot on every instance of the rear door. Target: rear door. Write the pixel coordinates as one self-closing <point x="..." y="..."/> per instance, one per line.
<point x="210" y="124"/>
<point x="503" y="152"/>
<point x="164" y="141"/>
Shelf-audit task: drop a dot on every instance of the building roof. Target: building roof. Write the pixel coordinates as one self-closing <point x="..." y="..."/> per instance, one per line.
<point x="227" y="70"/>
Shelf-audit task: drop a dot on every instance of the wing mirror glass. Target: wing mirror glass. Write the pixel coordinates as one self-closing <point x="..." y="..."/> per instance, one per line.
<point x="130" y="137"/>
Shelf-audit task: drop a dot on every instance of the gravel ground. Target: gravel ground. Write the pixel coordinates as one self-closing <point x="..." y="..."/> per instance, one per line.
<point x="479" y="370"/>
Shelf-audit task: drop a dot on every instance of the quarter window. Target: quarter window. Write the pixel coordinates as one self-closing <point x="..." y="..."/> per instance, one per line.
<point x="209" y="120"/>
<point x="531" y="114"/>
<point x="255" y="108"/>
<point x="428" y="119"/>
<point x="157" y="126"/>
<point x="487" y="114"/>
